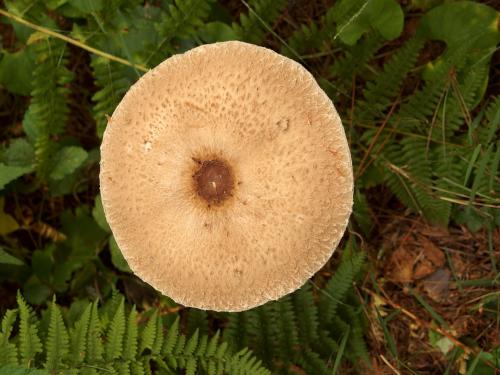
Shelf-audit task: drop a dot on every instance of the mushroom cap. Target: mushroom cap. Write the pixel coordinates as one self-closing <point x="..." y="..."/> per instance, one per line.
<point x="226" y="176"/>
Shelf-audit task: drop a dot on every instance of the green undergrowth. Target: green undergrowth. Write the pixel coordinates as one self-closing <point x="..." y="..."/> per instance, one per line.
<point x="303" y="329"/>
<point x="420" y="114"/>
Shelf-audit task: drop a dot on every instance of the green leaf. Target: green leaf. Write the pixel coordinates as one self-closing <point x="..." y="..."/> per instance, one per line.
<point x="455" y="22"/>
<point x="98" y="214"/>
<point x="41" y="263"/>
<point x="478" y="366"/>
<point x="217" y="32"/>
<point x="67" y="160"/>
<point x="6" y="258"/>
<point x="87" y="6"/>
<point x="443" y="343"/>
<point x="35" y="291"/>
<point x="14" y="370"/>
<point x="15" y="71"/>
<point x="385" y="16"/>
<point x="20" y="153"/>
<point x="117" y="257"/>
<point x="389" y="20"/>
<point x="7" y="222"/>
<point x="9" y="173"/>
<point x="84" y="236"/>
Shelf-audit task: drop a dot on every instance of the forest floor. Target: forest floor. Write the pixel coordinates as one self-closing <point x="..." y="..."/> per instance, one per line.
<point x="417" y="274"/>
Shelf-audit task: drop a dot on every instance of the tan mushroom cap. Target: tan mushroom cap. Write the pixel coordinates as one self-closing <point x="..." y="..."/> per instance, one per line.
<point x="226" y="177"/>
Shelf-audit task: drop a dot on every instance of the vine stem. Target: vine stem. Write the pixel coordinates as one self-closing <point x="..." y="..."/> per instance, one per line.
<point x="72" y="41"/>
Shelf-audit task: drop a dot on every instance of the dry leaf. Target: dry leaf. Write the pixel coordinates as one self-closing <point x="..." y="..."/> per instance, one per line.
<point x="437" y="285"/>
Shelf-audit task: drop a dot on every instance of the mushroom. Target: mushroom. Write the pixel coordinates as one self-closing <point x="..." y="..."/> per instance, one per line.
<point x="226" y="176"/>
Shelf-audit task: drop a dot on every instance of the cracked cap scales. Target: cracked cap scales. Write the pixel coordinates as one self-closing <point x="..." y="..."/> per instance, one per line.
<point x="226" y="176"/>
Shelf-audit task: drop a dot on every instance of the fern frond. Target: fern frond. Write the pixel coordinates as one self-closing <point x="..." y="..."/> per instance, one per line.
<point x="380" y="92"/>
<point x="192" y="343"/>
<point x="57" y="344"/>
<point x="114" y="80"/>
<point x="252" y="24"/>
<point x="458" y="103"/>
<point x="197" y="320"/>
<point x="159" y="336"/>
<point x="336" y="288"/>
<point x="244" y="363"/>
<point x="265" y="333"/>
<point x="148" y="334"/>
<point x="287" y="329"/>
<point x="416" y="112"/>
<point x="237" y="329"/>
<point x="179" y="22"/>
<point x="327" y="344"/>
<point x="312" y="363"/>
<point x="488" y="128"/>
<point x="131" y="335"/>
<point x="48" y="112"/>
<point x="306" y="314"/>
<point x="29" y="342"/>
<point x="314" y="37"/>
<point x="414" y="184"/>
<point x="356" y="343"/>
<point x="94" y="344"/>
<point x="114" y="346"/>
<point x="8" y="350"/>
<point x="352" y="62"/>
<point x="171" y="339"/>
<point x="78" y="337"/>
<point x="137" y="368"/>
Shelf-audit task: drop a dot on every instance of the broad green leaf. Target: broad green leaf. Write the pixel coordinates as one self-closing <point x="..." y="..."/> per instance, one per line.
<point x="54" y="4"/>
<point x="84" y="236"/>
<point x="389" y="20"/>
<point x="117" y="256"/>
<point x="6" y="258"/>
<point x="87" y="6"/>
<point x="9" y="173"/>
<point x="98" y="214"/>
<point x="20" y="153"/>
<point x="15" y="71"/>
<point x="7" y="222"/>
<point x="456" y="22"/>
<point x="385" y="16"/>
<point x="67" y="160"/>
<point x="35" y="291"/>
<point x="41" y="263"/>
